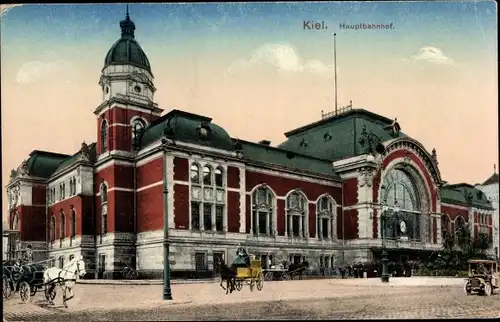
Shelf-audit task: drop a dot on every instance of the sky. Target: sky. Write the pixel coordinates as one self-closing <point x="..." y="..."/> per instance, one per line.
<point x="258" y="72"/>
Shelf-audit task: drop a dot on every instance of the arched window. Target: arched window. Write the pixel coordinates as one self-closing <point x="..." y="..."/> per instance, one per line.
<point x="325" y="218"/>
<point x="15" y="221"/>
<point x="207" y="175"/>
<point x="296" y="211"/>
<point x="263" y="211"/>
<point x="63" y="226"/>
<point x="104" y="208"/>
<point x="104" y="136"/>
<point x="138" y="126"/>
<point x="445" y="226"/>
<point x="195" y="173"/>
<point x="52" y="228"/>
<point x="73" y="223"/>
<point x="219" y="177"/>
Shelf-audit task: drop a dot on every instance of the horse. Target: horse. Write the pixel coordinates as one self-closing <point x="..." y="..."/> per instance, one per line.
<point x="298" y="268"/>
<point x="228" y="274"/>
<point x="65" y="278"/>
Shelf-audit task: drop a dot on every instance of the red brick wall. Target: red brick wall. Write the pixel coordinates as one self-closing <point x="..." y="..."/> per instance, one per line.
<point x="350" y="192"/>
<point x="281" y="222"/>
<point x="401" y="154"/>
<point x="123" y="202"/>
<point x="120" y="136"/>
<point x="31" y="223"/>
<point x="38" y="194"/>
<point x="65" y="206"/>
<point x="233" y="211"/>
<point x="351" y="224"/>
<point x="233" y="177"/>
<point x="150" y="173"/>
<point x="181" y="206"/>
<point x="121" y="176"/>
<point x="284" y="185"/>
<point x="312" y="220"/>
<point x="454" y="213"/>
<point x="150" y="209"/>
<point x="181" y="169"/>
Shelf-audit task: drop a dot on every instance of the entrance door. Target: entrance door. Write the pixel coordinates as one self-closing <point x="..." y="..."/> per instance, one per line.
<point x="218" y="257"/>
<point x="263" y="261"/>
<point x="296" y="259"/>
<point x="102" y="266"/>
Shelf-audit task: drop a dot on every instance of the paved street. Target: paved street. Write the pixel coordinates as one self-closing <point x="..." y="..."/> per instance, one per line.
<point x="311" y="299"/>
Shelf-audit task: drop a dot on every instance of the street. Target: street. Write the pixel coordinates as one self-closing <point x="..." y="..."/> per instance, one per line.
<point x="330" y="299"/>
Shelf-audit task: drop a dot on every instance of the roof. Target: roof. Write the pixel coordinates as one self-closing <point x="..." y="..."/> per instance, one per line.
<point x="43" y="163"/>
<point x="190" y="128"/>
<point x="75" y="157"/>
<point x="262" y="153"/>
<point x="127" y="51"/>
<point x="339" y="136"/>
<point x="464" y="194"/>
<point x="491" y="180"/>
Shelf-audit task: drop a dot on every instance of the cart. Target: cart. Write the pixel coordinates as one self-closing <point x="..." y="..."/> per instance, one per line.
<point x="25" y="279"/>
<point x="252" y="275"/>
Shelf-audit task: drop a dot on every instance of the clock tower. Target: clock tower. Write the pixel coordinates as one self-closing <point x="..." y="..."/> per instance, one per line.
<point x="127" y="95"/>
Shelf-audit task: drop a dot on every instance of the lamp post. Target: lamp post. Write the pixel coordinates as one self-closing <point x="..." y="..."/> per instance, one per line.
<point x="167" y="292"/>
<point x="384" y="214"/>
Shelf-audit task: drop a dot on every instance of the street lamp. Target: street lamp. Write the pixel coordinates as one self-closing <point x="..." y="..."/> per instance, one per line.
<point x="383" y="216"/>
<point x="167" y="291"/>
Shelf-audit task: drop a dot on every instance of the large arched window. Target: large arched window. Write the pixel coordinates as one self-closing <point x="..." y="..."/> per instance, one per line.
<point x="400" y="193"/>
<point x="263" y="211"/>
<point x="73" y="223"/>
<point x="325" y="213"/>
<point x="296" y="215"/>
<point x="104" y="136"/>
<point x="208" y="198"/>
<point x="104" y="208"/>
<point x="63" y="226"/>
<point x="138" y="126"/>
<point x="52" y="228"/>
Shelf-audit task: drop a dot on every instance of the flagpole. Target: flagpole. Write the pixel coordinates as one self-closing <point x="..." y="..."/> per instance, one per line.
<point x="335" y="67"/>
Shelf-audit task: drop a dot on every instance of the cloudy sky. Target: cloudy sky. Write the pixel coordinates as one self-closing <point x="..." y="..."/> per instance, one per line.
<point x="256" y="71"/>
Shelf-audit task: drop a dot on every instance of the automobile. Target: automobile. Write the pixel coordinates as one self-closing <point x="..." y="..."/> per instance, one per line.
<point x="484" y="277"/>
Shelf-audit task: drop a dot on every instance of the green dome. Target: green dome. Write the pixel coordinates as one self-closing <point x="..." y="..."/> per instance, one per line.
<point x="127" y="51"/>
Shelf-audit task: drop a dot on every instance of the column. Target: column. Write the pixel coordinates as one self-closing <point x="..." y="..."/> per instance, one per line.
<point x="290" y="226"/>
<point x="330" y="228"/>
<point x="268" y="222"/>
<point x="320" y="228"/>
<point x="257" y="221"/>
<point x="213" y="212"/>
<point x="201" y="209"/>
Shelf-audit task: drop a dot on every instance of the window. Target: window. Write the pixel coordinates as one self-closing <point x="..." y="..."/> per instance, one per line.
<point x="263" y="211"/>
<point x="200" y="261"/>
<point x="138" y="126"/>
<point x="483" y="224"/>
<point x="61" y="262"/>
<point x="63" y="226"/>
<point x="104" y="208"/>
<point x="73" y="223"/>
<point x="325" y="214"/>
<point x="72" y="186"/>
<point x="52" y="228"/>
<point x="208" y="198"/>
<point x="219" y="180"/>
<point x="296" y="210"/>
<point x="104" y="136"/>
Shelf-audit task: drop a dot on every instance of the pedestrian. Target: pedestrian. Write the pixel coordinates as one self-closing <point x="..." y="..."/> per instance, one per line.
<point x="29" y="255"/>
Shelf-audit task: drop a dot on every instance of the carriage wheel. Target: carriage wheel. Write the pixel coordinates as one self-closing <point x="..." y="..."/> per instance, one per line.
<point x="285" y="276"/>
<point x="133" y="274"/>
<point x="33" y="291"/>
<point x="6" y="290"/>
<point x="269" y="276"/>
<point x="24" y="292"/>
<point x="260" y="281"/>
<point x="239" y="285"/>
<point x="326" y="272"/>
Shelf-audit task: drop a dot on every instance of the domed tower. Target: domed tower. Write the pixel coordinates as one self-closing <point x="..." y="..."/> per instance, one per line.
<point x="127" y="93"/>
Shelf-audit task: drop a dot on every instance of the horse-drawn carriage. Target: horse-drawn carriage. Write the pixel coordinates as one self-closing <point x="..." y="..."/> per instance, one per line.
<point x="26" y="279"/>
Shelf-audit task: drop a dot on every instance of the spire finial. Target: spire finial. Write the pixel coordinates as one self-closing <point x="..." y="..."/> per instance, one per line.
<point x="494" y="168"/>
<point x="127" y="26"/>
<point x="128" y="17"/>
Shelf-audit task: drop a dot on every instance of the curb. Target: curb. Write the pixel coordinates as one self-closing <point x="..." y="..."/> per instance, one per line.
<point x="142" y="282"/>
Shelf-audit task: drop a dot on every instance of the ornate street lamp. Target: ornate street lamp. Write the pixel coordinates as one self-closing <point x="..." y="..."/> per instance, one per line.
<point x="386" y="212"/>
<point x="167" y="291"/>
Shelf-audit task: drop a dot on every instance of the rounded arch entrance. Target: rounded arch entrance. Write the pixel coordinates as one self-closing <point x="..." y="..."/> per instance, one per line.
<point x="404" y="191"/>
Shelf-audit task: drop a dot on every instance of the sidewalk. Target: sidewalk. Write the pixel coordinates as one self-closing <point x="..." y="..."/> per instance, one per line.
<point x="145" y="282"/>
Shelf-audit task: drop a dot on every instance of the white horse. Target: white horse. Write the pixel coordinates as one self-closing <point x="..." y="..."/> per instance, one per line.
<point x="65" y="278"/>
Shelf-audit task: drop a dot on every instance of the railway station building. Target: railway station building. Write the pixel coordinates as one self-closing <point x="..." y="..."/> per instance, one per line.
<point x="319" y="195"/>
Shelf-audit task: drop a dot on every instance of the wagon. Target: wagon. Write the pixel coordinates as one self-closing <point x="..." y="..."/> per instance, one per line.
<point x="25" y="279"/>
<point x="276" y="272"/>
<point x="252" y="275"/>
<point x="484" y="277"/>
